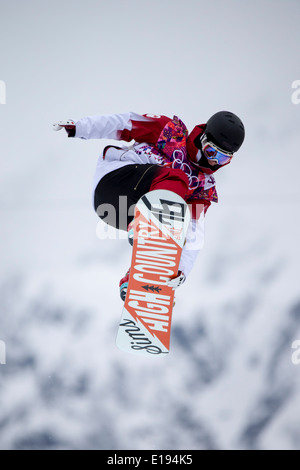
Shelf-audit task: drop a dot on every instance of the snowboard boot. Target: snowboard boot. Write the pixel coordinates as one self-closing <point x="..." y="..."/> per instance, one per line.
<point x="124" y="285"/>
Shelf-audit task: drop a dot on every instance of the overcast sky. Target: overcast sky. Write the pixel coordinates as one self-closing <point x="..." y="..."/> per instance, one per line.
<point x="68" y="59"/>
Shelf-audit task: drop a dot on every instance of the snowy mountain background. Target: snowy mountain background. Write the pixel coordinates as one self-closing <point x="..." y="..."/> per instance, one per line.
<point x="229" y="381"/>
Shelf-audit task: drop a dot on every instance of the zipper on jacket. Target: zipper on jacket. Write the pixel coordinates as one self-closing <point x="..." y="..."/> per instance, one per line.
<point x="141" y="177"/>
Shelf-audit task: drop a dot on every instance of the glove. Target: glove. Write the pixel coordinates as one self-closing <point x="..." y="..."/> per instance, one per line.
<point x="69" y="126"/>
<point x="176" y="281"/>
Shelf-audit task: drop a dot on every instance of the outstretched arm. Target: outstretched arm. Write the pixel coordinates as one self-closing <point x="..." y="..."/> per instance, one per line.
<point x="126" y="126"/>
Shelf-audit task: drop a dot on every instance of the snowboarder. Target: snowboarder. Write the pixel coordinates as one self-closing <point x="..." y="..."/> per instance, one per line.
<point x="163" y="156"/>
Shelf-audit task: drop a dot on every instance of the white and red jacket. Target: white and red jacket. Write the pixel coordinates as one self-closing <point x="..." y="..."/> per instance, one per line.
<point x="162" y="141"/>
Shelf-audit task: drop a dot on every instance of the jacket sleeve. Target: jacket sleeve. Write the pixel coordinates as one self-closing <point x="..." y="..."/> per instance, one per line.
<point x="126" y="126"/>
<point x="195" y="236"/>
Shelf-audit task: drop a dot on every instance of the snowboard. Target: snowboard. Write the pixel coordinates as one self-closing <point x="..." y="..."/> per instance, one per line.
<point x="161" y="219"/>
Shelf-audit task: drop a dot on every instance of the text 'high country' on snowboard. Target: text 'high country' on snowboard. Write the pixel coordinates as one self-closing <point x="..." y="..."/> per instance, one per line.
<point x="160" y="225"/>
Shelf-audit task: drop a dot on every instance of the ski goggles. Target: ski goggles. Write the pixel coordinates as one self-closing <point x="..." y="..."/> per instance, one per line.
<point x="214" y="153"/>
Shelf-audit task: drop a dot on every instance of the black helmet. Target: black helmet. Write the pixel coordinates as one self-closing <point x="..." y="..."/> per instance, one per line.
<point x="225" y="130"/>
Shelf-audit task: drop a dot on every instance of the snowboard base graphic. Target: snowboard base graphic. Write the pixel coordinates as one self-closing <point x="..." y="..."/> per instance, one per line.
<point x="160" y="224"/>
